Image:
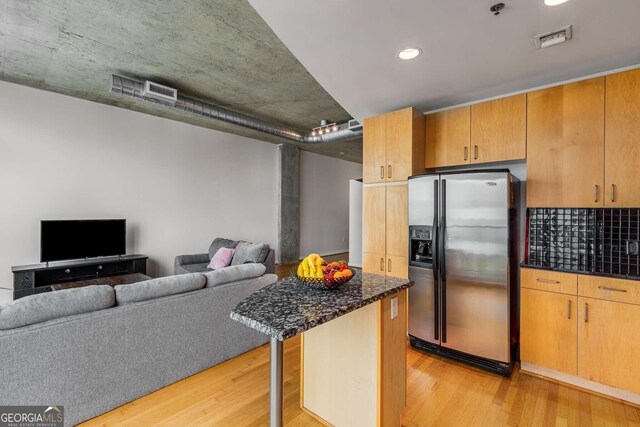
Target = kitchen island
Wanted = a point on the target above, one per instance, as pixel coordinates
(353, 360)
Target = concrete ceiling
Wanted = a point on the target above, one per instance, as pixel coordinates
(469, 54)
(217, 50)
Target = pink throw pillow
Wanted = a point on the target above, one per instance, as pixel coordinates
(222, 258)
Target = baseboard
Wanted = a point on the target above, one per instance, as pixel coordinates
(581, 383)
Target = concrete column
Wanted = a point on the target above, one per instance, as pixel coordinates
(288, 204)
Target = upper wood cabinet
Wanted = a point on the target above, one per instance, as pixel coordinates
(393, 146)
(565, 145)
(448, 138)
(499, 130)
(622, 139)
(488, 132)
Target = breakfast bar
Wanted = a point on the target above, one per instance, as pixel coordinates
(353, 346)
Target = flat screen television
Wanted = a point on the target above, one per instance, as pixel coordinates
(77, 239)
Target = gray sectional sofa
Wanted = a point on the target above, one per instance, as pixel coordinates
(93, 349)
(193, 263)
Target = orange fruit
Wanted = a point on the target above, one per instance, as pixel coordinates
(347, 273)
(338, 275)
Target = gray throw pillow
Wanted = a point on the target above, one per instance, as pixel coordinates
(234, 273)
(52, 305)
(247, 252)
(218, 243)
(156, 288)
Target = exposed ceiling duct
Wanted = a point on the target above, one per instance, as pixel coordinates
(136, 89)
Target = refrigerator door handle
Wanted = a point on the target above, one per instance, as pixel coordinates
(442, 258)
(434, 262)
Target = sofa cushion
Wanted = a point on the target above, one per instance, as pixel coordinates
(52, 305)
(218, 243)
(248, 252)
(194, 268)
(221, 259)
(234, 273)
(156, 288)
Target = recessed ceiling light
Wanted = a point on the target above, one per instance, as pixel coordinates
(409, 53)
(554, 2)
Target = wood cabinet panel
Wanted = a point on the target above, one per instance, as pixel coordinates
(609, 289)
(393, 361)
(548, 330)
(499, 130)
(397, 266)
(405, 144)
(545, 280)
(609, 343)
(448, 138)
(373, 263)
(397, 220)
(565, 145)
(622, 139)
(373, 227)
(374, 142)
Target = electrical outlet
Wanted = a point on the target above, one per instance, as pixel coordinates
(633, 247)
(394, 307)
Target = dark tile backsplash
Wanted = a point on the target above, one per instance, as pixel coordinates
(590, 240)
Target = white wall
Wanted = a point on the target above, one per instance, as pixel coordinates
(178, 185)
(324, 203)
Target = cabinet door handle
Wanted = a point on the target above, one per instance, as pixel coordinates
(548, 281)
(586, 312)
(596, 193)
(613, 193)
(475, 152)
(389, 171)
(466, 153)
(381, 264)
(381, 172)
(606, 288)
(389, 265)
(569, 309)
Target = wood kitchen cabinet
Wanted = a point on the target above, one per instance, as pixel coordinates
(581, 329)
(548, 326)
(565, 145)
(622, 144)
(386, 230)
(393, 146)
(609, 343)
(499, 130)
(448, 138)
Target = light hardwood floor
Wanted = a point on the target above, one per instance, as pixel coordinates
(439, 393)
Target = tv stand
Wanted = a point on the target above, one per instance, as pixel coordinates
(38, 278)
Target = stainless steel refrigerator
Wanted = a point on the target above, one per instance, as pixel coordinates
(463, 260)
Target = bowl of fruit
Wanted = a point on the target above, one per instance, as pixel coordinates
(315, 271)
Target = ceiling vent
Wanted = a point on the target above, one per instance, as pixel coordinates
(164, 94)
(554, 37)
(354, 125)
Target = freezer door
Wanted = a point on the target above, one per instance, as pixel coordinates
(422, 200)
(423, 322)
(475, 288)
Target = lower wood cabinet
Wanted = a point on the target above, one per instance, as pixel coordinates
(609, 343)
(548, 332)
(590, 332)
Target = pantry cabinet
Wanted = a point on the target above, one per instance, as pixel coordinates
(622, 146)
(565, 145)
(393, 146)
(448, 138)
(386, 229)
(499, 130)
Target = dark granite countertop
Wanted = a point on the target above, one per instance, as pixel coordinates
(587, 273)
(288, 308)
